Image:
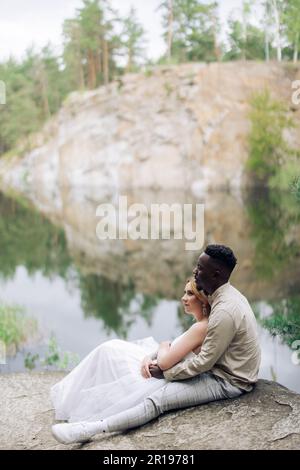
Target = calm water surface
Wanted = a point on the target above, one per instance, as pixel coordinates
(85, 291)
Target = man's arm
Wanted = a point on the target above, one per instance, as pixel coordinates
(221, 330)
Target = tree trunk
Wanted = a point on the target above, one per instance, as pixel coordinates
(98, 62)
(277, 30)
(105, 62)
(129, 61)
(81, 82)
(217, 50)
(267, 46)
(81, 77)
(91, 70)
(244, 40)
(44, 92)
(296, 48)
(170, 30)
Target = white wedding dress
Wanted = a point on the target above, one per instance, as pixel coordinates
(106, 382)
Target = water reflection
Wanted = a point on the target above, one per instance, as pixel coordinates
(29, 239)
(275, 230)
(88, 291)
(117, 305)
(283, 320)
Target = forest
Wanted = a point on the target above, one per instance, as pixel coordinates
(99, 46)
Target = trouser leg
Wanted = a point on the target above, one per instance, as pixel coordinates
(198, 390)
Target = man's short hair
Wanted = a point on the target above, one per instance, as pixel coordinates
(223, 255)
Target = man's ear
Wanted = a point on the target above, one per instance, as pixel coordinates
(217, 274)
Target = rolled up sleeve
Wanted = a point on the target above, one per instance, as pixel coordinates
(221, 330)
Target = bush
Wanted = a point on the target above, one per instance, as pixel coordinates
(296, 188)
(15, 327)
(54, 358)
(268, 148)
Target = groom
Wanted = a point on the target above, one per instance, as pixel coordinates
(226, 366)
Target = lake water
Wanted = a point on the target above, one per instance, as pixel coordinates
(86, 291)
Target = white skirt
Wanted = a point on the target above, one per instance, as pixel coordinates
(106, 382)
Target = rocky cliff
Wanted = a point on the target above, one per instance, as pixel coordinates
(267, 418)
(171, 135)
(182, 127)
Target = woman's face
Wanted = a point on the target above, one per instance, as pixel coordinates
(190, 302)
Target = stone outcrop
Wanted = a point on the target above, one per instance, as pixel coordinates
(168, 136)
(267, 418)
(181, 127)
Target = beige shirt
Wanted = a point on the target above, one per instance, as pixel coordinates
(231, 348)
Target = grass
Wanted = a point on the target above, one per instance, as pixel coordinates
(296, 188)
(15, 327)
(285, 177)
(54, 359)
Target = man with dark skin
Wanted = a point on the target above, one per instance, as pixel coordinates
(209, 276)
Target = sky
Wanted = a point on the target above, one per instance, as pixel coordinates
(27, 22)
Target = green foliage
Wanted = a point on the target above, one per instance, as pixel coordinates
(54, 358)
(95, 39)
(30, 361)
(20, 115)
(285, 178)
(273, 215)
(132, 40)
(291, 19)
(296, 188)
(249, 47)
(29, 239)
(15, 326)
(57, 358)
(35, 89)
(267, 146)
(37, 86)
(113, 303)
(194, 30)
(285, 320)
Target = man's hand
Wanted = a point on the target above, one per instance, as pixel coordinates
(156, 372)
(146, 363)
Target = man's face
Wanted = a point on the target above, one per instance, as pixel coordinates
(204, 273)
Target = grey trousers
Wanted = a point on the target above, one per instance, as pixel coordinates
(191, 392)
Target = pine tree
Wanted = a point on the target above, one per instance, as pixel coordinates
(291, 19)
(191, 30)
(133, 38)
(72, 55)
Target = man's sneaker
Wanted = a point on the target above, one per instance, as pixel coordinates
(68, 433)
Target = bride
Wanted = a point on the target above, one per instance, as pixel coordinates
(116, 375)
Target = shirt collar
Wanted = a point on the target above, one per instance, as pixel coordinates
(219, 291)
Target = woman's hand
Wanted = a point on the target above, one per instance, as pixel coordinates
(145, 367)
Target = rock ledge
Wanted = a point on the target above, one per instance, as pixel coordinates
(267, 418)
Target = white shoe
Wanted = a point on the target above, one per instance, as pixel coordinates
(68, 433)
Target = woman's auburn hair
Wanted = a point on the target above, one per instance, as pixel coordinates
(200, 295)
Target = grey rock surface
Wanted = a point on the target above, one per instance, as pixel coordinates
(267, 418)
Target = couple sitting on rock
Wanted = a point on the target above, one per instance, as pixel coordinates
(121, 385)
